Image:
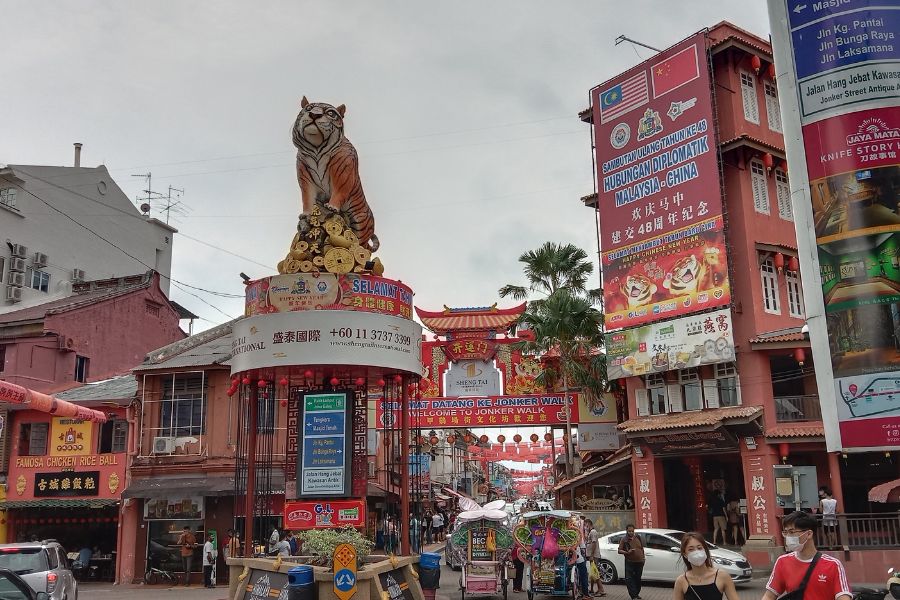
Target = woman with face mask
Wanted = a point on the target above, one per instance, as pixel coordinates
(700, 580)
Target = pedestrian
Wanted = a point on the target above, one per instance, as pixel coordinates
(292, 540)
(209, 561)
(233, 546)
(283, 547)
(437, 524)
(804, 572)
(389, 532)
(415, 532)
(274, 538)
(719, 516)
(700, 578)
(593, 555)
(735, 521)
(186, 542)
(633, 550)
(520, 570)
(828, 508)
(581, 570)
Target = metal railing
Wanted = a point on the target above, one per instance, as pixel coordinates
(860, 531)
(792, 409)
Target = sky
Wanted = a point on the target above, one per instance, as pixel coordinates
(464, 115)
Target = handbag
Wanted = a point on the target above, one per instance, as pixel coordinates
(798, 593)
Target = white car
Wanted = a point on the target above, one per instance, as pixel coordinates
(662, 548)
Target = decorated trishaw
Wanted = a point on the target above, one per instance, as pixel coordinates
(545, 541)
(482, 540)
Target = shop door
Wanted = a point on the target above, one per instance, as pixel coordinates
(680, 501)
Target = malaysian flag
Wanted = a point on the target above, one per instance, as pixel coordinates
(624, 97)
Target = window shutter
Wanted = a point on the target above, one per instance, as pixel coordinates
(737, 389)
(760, 187)
(642, 399)
(748, 95)
(711, 393)
(783, 193)
(773, 111)
(676, 400)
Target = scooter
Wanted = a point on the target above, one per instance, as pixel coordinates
(893, 583)
(892, 586)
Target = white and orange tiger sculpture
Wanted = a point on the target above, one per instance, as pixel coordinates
(328, 171)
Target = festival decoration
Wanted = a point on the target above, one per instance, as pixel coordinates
(534, 437)
(546, 533)
(517, 438)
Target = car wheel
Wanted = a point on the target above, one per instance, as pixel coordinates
(607, 572)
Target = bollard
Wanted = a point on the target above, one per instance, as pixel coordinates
(302, 583)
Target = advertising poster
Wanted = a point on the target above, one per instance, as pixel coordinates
(318, 515)
(323, 468)
(473, 378)
(660, 200)
(597, 409)
(678, 344)
(598, 437)
(489, 411)
(420, 472)
(70, 436)
(846, 60)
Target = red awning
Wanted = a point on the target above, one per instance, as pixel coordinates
(886, 492)
(16, 394)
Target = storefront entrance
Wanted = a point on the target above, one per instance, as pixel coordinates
(681, 505)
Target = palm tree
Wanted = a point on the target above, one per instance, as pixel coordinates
(553, 267)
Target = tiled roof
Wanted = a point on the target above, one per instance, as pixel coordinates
(733, 142)
(790, 334)
(618, 457)
(690, 418)
(207, 348)
(481, 319)
(882, 492)
(59, 503)
(61, 305)
(122, 387)
(795, 431)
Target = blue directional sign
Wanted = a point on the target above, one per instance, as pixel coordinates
(828, 35)
(323, 452)
(345, 580)
(323, 463)
(323, 423)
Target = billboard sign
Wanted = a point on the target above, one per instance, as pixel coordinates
(678, 344)
(843, 75)
(473, 378)
(319, 515)
(659, 196)
(484, 411)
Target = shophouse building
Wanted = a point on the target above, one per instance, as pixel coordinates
(705, 310)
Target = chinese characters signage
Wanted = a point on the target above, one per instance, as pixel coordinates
(324, 461)
(70, 437)
(659, 196)
(312, 291)
(490, 411)
(692, 443)
(318, 515)
(678, 344)
(66, 483)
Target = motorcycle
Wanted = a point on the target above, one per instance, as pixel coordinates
(893, 583)
(892, 587)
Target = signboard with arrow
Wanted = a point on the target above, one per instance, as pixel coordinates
(344, 571)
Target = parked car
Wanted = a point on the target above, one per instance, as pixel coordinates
(43, 566)
(662, 548)
(13, 587)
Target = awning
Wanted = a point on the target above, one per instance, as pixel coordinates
(376, 491)
(886, 492)
(163, 487)
(59, 503)
(441, 496)
(621, 458)
(690, 420)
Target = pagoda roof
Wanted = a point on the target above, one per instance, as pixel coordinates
(481, 318)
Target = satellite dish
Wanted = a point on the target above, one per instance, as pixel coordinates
(145, 208)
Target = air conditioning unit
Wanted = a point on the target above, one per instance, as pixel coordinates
(14, 294)
(19, 250)
(163, 445)
(371, 470)
(17, 264)
(17, 279)
(40, 259)
(77, 275)
(65, 343)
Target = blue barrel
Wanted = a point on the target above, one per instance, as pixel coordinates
(430, 560)
(302, 583)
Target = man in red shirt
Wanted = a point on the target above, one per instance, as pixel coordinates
(827, 581)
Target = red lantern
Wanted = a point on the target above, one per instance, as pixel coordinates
(467, 438)
(768, 161)
(483, 439)
(793, 264)
(770, 71)
(548, 437)
(420, 440)
(231, 392)
(433, 440)
(534, 437)
(262, 383)
(784, 450)
(283, 381)
(334, 381)
(398, 378)
(784, 166)
(360, 382)
(800, 356)
(755, 63)
(779, 261)
(517, 438)
(309, 374)
(501, 438)
(381, 383)
(245, 380)
(451, 439)
(283, 403)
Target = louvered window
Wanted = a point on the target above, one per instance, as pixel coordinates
(748, 95)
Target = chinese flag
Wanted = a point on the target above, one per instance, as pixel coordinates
(675, 71)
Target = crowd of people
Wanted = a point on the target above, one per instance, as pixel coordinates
(425, 528)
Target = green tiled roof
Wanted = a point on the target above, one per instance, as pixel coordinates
(59, 503)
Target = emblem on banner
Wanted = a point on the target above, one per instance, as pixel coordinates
(620, 136)
(676, 109)
(649, 125)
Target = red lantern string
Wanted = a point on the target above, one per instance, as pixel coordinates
(398, 378)
(517, 438)
(245, 381)
(534, 437)
(381, 383)
(360, 382)
(334, 381)
(309, 374)
(501, 438)
(283, 381)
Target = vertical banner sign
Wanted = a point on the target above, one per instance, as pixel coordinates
(844, 61)
(344, 560)
(659, 196)
(324, 468)
(360, 455)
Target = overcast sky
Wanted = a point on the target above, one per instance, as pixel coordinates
(464, 115)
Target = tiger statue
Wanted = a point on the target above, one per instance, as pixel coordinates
(328, 170)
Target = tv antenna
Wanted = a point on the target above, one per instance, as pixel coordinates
(623, 38)
(173, 204)
(170, 204)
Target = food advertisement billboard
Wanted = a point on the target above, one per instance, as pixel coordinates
(659, 194)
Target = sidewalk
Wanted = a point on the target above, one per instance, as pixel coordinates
(434, 547)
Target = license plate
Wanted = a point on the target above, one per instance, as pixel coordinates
(747, 571)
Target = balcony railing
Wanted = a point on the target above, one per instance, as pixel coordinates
(792, 409)
(860, 531)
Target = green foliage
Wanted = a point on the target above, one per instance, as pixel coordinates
(322, 543)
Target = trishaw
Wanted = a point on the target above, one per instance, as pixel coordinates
(483, 541)
(545, 541)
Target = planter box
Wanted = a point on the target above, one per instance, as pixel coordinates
(374, 578)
